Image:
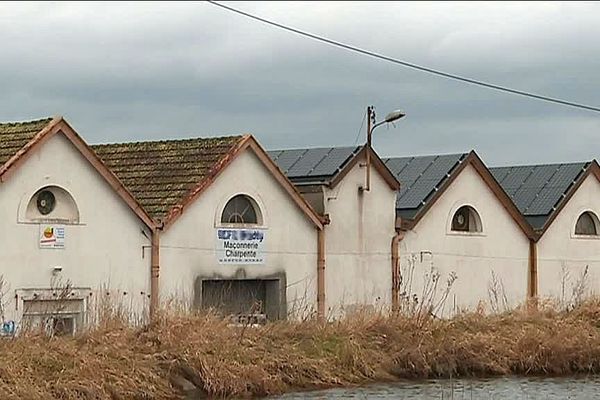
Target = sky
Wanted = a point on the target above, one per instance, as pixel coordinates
(150, 71)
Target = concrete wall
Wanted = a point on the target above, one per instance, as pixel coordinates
(358, 243)
(490, 267)
(563, 257)
(188, 246)
(103, 252)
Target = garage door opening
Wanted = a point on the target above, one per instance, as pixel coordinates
(247, 300)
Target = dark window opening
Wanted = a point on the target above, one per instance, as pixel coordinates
(586, 225)
(466, 219)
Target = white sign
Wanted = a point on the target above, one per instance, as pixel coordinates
(240, 246)
(52, 237)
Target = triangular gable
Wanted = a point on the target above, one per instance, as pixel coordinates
(474, 160)
(247, 143)
(377, 164)
(59, 125)
(593, 169)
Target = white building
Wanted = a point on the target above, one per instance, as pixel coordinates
(562, 204)
(71, 241)
(465, 244)
(220, 223)
(361, 223)
(232, 232)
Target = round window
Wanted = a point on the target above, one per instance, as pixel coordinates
(45, 202)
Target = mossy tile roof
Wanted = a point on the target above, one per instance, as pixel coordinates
(161, 174)
(15, 135)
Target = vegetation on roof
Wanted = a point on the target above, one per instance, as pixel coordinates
(161, 174)
(15, 135)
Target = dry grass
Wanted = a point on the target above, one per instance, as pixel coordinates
(121, 362)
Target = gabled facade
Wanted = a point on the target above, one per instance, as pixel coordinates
(74, 240)
(465, 245)
(361, 224)
(233, 233)
(562, 203)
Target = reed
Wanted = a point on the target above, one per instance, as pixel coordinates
(181, 352)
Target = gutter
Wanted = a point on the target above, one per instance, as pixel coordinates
(396, 270)
(321, 274)
(154, 272)
(532, 281)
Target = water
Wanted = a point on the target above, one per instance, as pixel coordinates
(579, 388)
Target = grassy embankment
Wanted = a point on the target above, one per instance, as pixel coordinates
(119, 362)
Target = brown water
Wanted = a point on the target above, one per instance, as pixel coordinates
(580, 388)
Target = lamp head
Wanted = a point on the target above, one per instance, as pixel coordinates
(394, 115)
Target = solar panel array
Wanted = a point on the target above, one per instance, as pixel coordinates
(313, 165)
(420, 177)
(537, 190)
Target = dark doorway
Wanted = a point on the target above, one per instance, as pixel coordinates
(259, 298)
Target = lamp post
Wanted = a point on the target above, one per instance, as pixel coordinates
(371, 125)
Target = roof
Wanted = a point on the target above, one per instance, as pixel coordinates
(421, 177)
(325, 165)
(539, 190)
(161, 174)
(313, 165)
(15, 135)
(19, 140)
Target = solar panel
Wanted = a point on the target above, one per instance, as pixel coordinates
(288, 158)
(440, 167)
(547, 198)
(397, 164)
(524, 197)
(274, 154)
(417, 193)
(540, 176)
(415, 168)
(516, 177)
(307, 162)
(335, 159)
(500, 173)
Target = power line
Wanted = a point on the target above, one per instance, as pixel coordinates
(362, 123)
(405, 63)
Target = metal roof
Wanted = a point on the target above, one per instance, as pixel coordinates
(537, 190)
(420, 177)
(315, 165)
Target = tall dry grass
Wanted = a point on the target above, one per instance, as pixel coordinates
(116, 361)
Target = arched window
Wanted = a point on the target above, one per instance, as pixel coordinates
(466, 219)
(587, 224)
(52, 203)
(240, 209)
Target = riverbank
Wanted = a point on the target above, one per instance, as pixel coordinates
(202, 353)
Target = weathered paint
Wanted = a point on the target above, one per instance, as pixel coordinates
(563, 256)
(358, 255)
(107, 251)
(491, 267)
(188, 246)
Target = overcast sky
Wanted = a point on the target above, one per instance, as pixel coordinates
(146, 71)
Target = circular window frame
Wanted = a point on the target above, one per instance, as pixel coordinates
(28, 203)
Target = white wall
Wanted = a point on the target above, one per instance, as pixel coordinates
(358, 243)
(500, 251)
(188, 246)
(104, 250)
(563, 257)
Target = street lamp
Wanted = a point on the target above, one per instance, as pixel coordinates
(371, 125)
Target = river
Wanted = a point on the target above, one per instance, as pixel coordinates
(513, 388)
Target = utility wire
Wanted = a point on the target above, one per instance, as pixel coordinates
(405, 63)
(362, 123)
